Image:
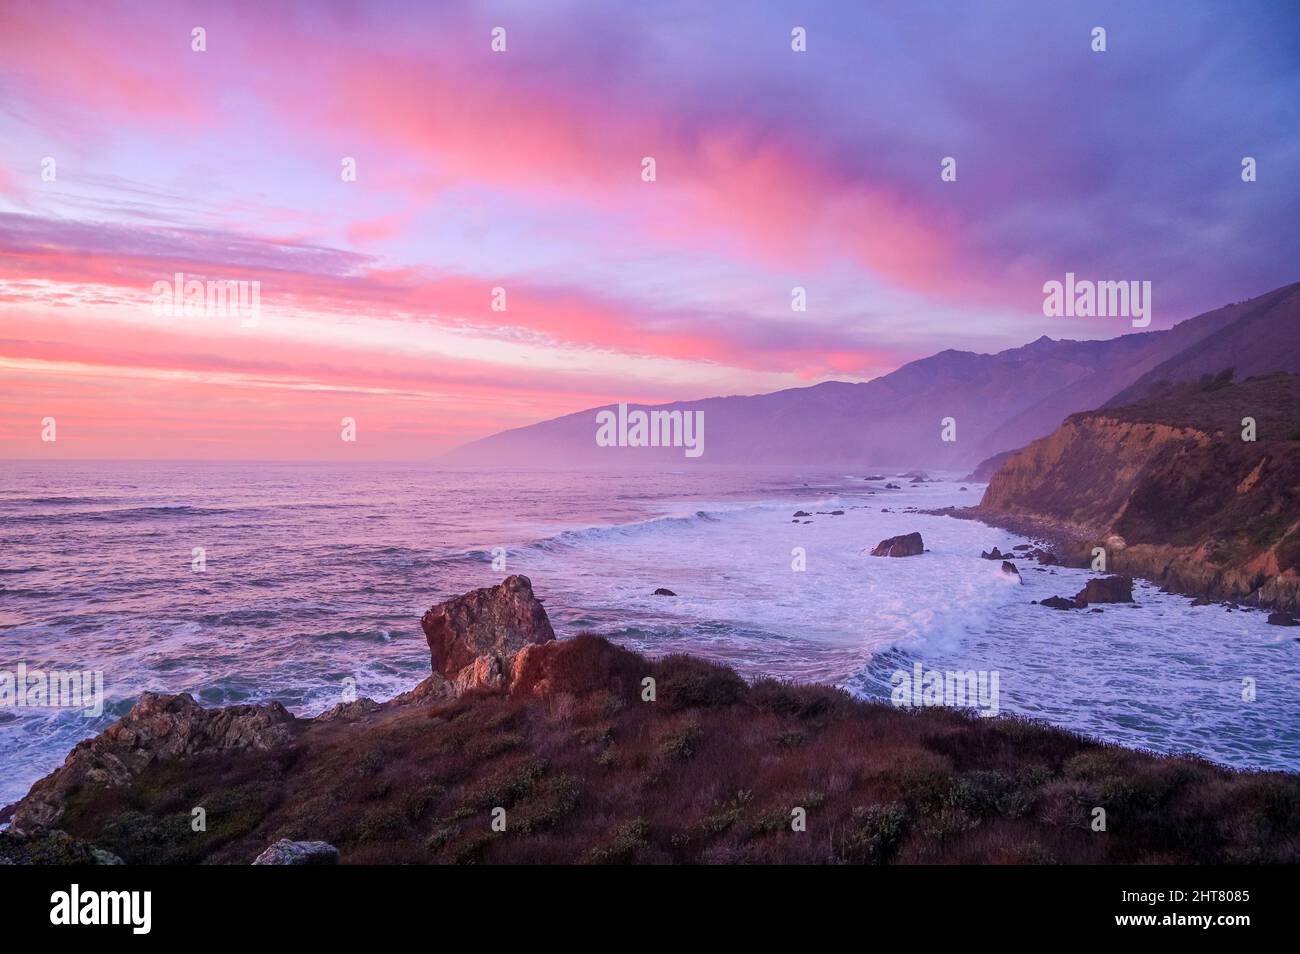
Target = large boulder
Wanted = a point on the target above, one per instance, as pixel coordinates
(908, 544)
(1009, 572)
(473, 638)
(1106, 589)
(157, 727)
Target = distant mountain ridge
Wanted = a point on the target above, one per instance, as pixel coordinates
(999, 401)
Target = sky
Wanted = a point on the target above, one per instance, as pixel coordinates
(500, 256)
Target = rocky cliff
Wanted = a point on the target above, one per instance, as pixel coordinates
(1172, 490)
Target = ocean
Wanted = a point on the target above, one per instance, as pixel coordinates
(315, 577)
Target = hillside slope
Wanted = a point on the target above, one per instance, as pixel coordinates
(1262, 338)
(1171, 489)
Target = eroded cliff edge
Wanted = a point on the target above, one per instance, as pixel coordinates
(1171, 489)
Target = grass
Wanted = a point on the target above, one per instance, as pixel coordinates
(713, 771)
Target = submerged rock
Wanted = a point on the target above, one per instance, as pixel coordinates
(663, 591)
(1282, 619)
(908, 544)
(286, 852)
(1060, 603)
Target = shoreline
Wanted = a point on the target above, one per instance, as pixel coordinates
(589, 772)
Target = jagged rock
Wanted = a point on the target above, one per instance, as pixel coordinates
(1008, 571)
(348, 711)
(1107, 589)
(663, 591)
(994, 554)
(434, 688)
(472, 638)
(286, 852)
(485, 672)
(1282, 619)
(908, 544)
(1060, 603)
(157, 727)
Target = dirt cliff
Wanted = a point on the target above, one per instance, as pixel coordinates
(1172, 488)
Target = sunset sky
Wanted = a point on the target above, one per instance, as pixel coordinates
(523, 170)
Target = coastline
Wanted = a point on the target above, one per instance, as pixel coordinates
(715, 769)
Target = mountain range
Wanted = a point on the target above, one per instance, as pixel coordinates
(999, 402)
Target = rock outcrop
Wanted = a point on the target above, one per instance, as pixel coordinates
(158, 728)
(1107, 589)
(1008, 571)
(908, 544)
(286, 852)
(473, 638)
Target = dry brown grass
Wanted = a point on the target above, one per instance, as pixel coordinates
(709, 772)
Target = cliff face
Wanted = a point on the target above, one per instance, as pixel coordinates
(1172, 491)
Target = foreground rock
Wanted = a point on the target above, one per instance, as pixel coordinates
(159, 728)
(286, 852)
(1008, 571)
(909, 544)
(474, 638)
(1282, 619)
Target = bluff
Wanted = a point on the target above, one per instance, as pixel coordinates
(1172, 491)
